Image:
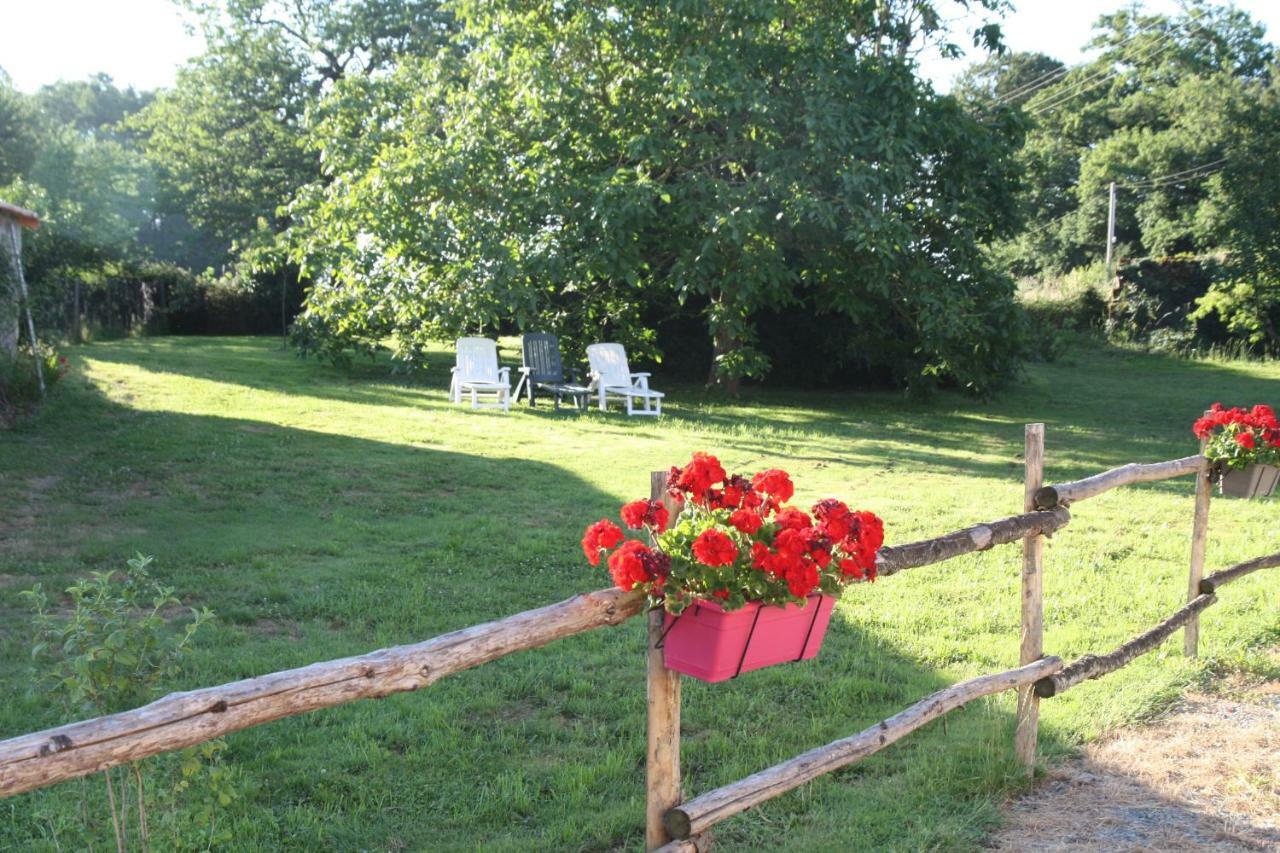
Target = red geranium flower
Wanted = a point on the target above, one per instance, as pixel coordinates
(775, 483)
(746, 520)
(627, 565)
(803, 579)
(714, 548)
(790, 517)
(696, 478)
(638, 514)
(834, 517)
(852, 568)
(869, 528)
(603, 534)
(1246, 440)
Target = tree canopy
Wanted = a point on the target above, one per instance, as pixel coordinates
(578, 166)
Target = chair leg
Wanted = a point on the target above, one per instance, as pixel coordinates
(603, 405)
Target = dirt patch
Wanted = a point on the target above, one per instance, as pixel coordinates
(1206, 777)
(10, 581)
(268, 627)
(16, 529)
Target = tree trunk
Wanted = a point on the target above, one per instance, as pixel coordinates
(77, 329)
(723, 342)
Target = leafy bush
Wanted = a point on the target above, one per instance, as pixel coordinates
(1249, 310)
(111, 650)
(20, 382)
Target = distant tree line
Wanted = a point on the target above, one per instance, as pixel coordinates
(1181, 113)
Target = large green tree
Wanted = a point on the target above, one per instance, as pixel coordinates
(583, 163)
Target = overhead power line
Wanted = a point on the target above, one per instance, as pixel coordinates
(1078, 88)
(1160, 46)
(1194, 173)
(1051, 77)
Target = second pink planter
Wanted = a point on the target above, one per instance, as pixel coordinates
(711, 645)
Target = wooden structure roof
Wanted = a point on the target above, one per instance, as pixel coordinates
(26, 218)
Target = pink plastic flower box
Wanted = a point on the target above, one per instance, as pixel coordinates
(711, 645)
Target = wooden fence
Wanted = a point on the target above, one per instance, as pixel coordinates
(671, 822)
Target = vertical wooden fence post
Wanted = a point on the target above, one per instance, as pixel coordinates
(1032, 648)
(662, 772)
(1199, 537)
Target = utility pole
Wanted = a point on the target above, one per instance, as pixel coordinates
(1111, 229)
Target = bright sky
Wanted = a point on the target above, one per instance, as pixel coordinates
(141, 43)
(1060, 28)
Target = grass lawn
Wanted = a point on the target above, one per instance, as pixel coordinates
(322, 514)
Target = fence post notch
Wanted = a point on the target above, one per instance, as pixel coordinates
(1199, 538)
(1032, 645)
(662, 767)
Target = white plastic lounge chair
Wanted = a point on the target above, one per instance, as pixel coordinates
(611, 375)
(477, 372)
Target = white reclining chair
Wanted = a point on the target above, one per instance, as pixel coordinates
(610, 374)
(477, 372)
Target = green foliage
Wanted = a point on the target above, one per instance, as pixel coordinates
(109, 652)
(1182, 114)
(227, 139)
(1009, 77)
(1250, 311)
(20, 382)
(17, 133)
(116, 646)
(96, 106)
(1164, 96)
(581, 164)
(193, 809)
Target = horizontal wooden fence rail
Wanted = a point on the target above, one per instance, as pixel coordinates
(1065, 494)
(185, 719)
(1210, 584)
(704, 811)
(1095, 666)
(980, 537)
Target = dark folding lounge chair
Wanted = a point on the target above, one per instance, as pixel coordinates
(543, 370)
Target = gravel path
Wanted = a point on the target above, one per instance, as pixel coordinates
(1206, 777)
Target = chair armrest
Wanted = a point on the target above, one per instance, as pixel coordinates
(525, 370)
(453, 369)
(638, 375)
(505, 374)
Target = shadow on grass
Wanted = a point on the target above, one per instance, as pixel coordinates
(314, 545)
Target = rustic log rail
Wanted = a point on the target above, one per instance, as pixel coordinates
(1096, 666)
(704, 811)
(1087, 667)
(1210, 585)
(1065, 494)
(185, 719)
(980, 537)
